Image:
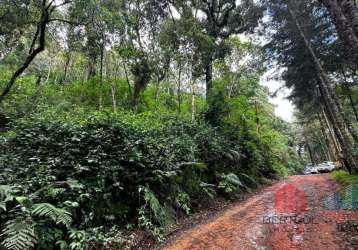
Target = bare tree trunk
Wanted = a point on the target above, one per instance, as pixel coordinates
(313, 161)
(127, 79)
(179, 88)
(334, 139)
(113, 94)
(101, 78)
(193, 107)
(334, 151)
(337, 119)
(257, 118)
(353, 105)
(345, 16)
(209, 78)
(49, 72)
(66, 66)
(91, 69)
(323, 144)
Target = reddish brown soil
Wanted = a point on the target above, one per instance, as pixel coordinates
(260, 222)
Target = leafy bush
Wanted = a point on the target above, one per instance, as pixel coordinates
(102, 169)
(108, 171)
(344, 177)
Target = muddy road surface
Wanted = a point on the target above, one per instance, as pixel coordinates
(301, 212)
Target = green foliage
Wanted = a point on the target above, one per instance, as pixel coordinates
(57, 215)
(26, 223)
(230, 183)
(110, 129)
(19, 234)
(146, 166)
(344, 177)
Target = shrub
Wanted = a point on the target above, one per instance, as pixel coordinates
(120, 169)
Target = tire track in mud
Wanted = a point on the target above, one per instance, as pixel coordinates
(244, 225)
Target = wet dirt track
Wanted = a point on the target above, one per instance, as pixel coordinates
(288, 215)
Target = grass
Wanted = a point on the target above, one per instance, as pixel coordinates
(344, 177)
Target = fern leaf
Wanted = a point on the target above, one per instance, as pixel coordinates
(161, 214)
(250, 179)
(19, 234)
(57, 215)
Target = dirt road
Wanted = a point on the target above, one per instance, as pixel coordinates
(298, 213)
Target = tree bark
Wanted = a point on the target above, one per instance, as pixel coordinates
(350, 10)
(66, 66)
(209, 77)
(91, 69)
(335, 116)
(179, 88)
(193, 107)
(325, 148)
(101, 78)
(345, 16)
(313, 161)
(127, 79)
(334, 150)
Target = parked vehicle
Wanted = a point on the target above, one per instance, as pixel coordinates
(307, 171)
(310, 169)
(314, 170)
(325, 167)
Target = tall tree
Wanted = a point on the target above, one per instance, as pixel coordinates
(218, 20)
(298, 45)
(345, 16)
(40, 14)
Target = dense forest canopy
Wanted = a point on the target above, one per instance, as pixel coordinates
(119, 115)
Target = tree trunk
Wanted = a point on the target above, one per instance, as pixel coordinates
(332, 133)
(179, 89)
(351, 101)
(209, 78)
(346, 154)
(40, 35)
(345, 16)
(257, 118)
(325, 149)
(157, 85)
(334, 151)
(350, 10)
(127, 79)
(336, 117)
(313, 161)
(49, 72)
(101, 79)
(66, 66)
(353, 105)
(113, 94)
(346, 120)
(193, 108)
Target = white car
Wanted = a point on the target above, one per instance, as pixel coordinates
(314, 170)
(325, 167)
(310, 169)
(307, 171)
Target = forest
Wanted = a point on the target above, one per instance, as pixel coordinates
(120, 117)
